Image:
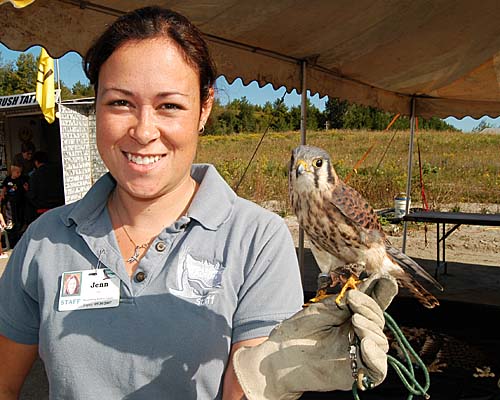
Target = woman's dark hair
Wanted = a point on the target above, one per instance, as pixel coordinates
(148, 23)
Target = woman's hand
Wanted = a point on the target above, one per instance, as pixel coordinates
(311, 350)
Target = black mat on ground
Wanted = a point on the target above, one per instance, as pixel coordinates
(463, 337)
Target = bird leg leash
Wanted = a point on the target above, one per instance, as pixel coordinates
(406, 372)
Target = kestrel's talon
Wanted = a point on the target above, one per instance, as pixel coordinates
(320, 295)
(350, 284)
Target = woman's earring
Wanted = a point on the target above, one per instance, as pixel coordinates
(202, 129)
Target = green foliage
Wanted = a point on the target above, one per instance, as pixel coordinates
(384, 221)
(240, 116)
(19, 77)
(340, 114)
(80, 90)
(280, 120)
(335, 110)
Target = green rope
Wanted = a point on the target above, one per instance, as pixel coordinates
(405, 373)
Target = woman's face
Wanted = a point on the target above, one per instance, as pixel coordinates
(72, 285)
(148, 117)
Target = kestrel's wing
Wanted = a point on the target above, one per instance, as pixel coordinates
(355, 208)
(411, 267)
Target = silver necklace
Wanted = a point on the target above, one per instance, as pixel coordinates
(137, 247)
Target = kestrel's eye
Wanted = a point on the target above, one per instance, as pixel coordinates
(318, 162)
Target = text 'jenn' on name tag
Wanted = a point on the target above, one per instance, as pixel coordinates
(93, 288)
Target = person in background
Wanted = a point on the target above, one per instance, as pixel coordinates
(45, 187)
(25, 158)
(13, 197)
(179, 274)
(3, 226)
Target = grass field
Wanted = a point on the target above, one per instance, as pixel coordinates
(456, 167)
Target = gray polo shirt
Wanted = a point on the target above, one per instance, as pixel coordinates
(226, 272)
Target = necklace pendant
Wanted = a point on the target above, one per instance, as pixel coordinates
(135, 257)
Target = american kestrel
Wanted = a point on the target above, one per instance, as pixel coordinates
(343, 229)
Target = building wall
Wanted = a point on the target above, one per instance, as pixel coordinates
(82, 165)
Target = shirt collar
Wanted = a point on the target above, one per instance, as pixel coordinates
(214, 201)
(90, 206)
(211, 207)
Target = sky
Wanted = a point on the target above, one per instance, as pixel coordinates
(71, 71)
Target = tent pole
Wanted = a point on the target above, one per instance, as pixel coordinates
(303, 104)
(410, 163)
(303, 120)
(58, 84)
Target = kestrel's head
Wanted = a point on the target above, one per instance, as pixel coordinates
(310, 169)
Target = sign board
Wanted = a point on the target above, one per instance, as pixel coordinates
(17, 100)
(23, 100)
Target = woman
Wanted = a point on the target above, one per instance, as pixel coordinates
(201, 271)
(72, 285)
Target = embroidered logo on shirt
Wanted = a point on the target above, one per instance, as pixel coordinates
(197, 279)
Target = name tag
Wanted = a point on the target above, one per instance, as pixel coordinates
(93, 288)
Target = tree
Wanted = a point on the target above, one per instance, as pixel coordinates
(6, 75)
(65, 92)
(314, 117)
(281, 117)
(19, 77)
(26, 71)
(215, 124)
(245, 115)
(80, 90)
(335, 110)
(357, 117)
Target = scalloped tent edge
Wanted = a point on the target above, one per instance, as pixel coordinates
(444, 54)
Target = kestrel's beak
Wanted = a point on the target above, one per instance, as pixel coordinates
(302, 167)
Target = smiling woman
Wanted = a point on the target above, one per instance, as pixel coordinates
(147, 127)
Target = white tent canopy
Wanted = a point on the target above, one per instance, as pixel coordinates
(382, 53)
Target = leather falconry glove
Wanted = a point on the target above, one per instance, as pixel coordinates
(309, 352)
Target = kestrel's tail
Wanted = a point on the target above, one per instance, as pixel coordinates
(427, 299)
(410, 266)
